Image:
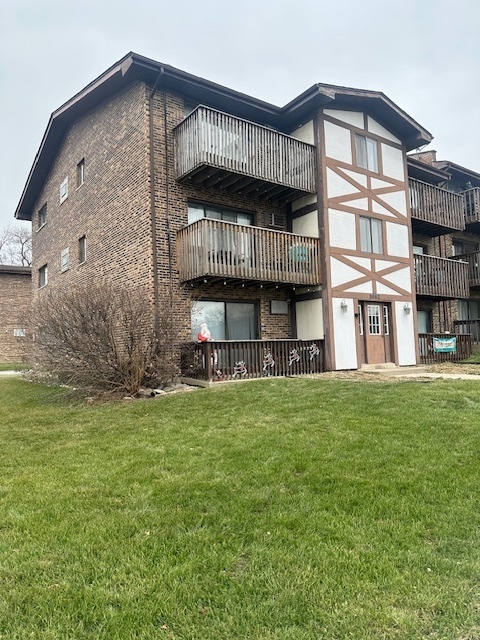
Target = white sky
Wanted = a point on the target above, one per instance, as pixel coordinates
(423, 54)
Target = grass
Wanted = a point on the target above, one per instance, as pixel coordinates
(278, 509)
(14, 366)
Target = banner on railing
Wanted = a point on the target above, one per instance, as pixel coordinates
(445, 345)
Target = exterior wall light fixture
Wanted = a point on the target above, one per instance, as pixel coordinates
(407, 308)
(344, 305)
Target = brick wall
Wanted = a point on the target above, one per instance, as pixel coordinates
(111, 208)
(15, 313)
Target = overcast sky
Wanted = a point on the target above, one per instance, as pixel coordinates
(423, 54)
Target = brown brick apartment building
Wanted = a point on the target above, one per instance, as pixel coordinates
(287, 231)
(15, 312)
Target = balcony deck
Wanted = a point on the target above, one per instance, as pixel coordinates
(472, 209)
(435, 211)
(215, 149)
(214, 250)
(441, 277)
(473, 260)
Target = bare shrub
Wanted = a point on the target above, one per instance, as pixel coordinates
(102, 337)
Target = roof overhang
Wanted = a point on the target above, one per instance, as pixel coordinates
(134, 67)
(15, 270)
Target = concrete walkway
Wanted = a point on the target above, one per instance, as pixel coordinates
(11, 373)
(418, 372)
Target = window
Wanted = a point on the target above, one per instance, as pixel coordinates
(42, 276)
(42, 216)
(226, 320)
(419, 250)
(371, 235)
(82, 249)
(277, 220)
(360, 319)
(373, 311)
(386, 320)
(64, 260)
(366, 151)
(64, 190)
(81, 172)
(199, 211)
(463, 247)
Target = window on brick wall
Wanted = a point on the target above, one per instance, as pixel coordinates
(43, 276)
(64, 190)
(225, 320)
(81, 172)
(82, 249)
(42, 216)
(198, 211)
(65, 260)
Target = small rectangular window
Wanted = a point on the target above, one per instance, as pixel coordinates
(42, 216)
(64, 260)
(374, 327)
(366, 153)
(386, 320)
(82, 249)
(81, 172)
(64, 190)
(360, 319)
(43, 276)
(371, 235)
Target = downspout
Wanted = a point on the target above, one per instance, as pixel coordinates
(153, 214)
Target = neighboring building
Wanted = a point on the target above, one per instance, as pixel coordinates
(264, 223)
(15, 312)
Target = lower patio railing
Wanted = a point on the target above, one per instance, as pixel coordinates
(469, 326)
(244, 359)
(444, 347)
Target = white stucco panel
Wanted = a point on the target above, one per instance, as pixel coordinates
(304, 201)
(338, 186)
(380, 184)
(397, 200)
(358, 177)
(392, 161)
(341, 227)
(366, 287)
(377, 208)
(384, 264)
(402, 278)
(381, 288)
(350, 117)
(342, 273)
(366, 263)
(379, 130)
(405, 335)
(305, 133)
(397, 240)
(344, 334)
(306, 225)
(338, 143)
(358, 203)
(309, 315)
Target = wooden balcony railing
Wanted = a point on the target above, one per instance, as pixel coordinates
(435, 211)
(441, 277)
(472, 206)
(473, 260)
(219, 150)
(471, 327)
(244, 359)
(429, 355)
(215, 249)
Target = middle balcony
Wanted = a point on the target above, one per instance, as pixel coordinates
(214, 251)
(215, 149)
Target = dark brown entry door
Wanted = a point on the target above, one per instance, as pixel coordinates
(376, 330)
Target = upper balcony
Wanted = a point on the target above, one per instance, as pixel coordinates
(215, 251)
(472, 209)
(214, 149)
(441, 277)
(435, 211)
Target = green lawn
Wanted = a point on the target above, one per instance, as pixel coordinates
(278, 509)
(14, 366)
